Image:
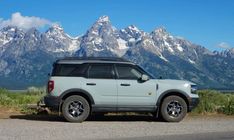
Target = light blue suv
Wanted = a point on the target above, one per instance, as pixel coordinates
(81, 86)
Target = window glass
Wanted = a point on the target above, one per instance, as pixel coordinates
(127, 72)
(101, 71)
(69, 70)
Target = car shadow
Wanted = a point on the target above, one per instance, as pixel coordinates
(94, 118)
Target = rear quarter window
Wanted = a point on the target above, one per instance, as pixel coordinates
(78, 70)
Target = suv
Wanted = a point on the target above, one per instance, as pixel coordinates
(78, 87)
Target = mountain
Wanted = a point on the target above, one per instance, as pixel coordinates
(26, 57)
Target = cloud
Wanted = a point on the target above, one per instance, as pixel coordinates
(24, 22)
(224, 45)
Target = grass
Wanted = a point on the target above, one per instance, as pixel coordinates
(211, 102)
(19, 101)
(215, 102)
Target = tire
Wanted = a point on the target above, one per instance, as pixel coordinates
(75, 109)
(173, 109)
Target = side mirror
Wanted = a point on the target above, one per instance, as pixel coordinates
(144, 77)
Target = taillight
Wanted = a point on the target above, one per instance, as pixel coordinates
(50, 86)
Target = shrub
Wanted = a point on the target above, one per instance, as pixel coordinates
(215, 102)
(18, 100)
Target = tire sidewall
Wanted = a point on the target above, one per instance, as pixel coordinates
(164, 112)
(83, 116)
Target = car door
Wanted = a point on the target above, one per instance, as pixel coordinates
(132, 92)
(101, 83)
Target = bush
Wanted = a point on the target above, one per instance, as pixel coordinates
(18, 100)
(215, 102)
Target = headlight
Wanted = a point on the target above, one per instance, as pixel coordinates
(194, 89)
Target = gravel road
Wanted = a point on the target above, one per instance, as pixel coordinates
(111, 127)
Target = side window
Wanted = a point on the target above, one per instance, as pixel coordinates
(78, 70)
(101, 71)
(127, 72)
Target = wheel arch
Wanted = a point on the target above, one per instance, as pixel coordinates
(77, 91)
(167, 93)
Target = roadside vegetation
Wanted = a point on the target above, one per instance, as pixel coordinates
(19, 101)
(211, 102)
(214, 102)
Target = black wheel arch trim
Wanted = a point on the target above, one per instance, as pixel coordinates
(77, 90)
(176, 91)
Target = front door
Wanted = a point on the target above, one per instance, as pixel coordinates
(132, 92)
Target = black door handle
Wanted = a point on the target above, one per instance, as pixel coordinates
(125, 84)
(91, 84)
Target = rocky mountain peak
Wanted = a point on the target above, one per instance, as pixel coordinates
(160, 32)
(103, 19)
(9, 33)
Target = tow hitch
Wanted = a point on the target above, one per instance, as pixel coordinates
(40, 107)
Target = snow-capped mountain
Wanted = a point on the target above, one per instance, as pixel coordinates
(58, 40)
(102, 37)
(27, 56)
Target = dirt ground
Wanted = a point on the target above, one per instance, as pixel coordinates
(6, 112)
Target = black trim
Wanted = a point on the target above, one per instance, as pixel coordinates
(169, 92)
(78, 91)
(129, 108)
(52, 102)
(193, 102)
(104, 108)
(136, 108)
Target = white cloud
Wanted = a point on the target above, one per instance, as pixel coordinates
(224, 45)
(24, 22)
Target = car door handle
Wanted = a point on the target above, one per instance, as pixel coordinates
(90, 84)
(125, 84)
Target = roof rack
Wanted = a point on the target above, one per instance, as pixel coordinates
(97, 58)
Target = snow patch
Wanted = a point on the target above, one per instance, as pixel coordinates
(166, 43)
(191, 61)
(73, 46)
(98, 50)
(163, 58)
(132, 40)
(170, 49)
(122, 44)
(98, 40)
(179, 47)
(59, 50)
(103, 19)
(133, 28)
(146, 41)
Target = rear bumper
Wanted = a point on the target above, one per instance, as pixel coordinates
(52, 102)
(193, 103)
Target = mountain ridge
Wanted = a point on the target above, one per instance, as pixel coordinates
(27, 56)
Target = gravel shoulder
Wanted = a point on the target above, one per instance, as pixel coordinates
(25, 127)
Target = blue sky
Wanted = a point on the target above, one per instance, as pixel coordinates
(206, 22)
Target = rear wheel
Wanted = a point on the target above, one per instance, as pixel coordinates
(75, 108)
(173, 109)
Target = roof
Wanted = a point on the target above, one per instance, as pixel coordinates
(79, 60)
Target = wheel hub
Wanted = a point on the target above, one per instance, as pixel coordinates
(174, 109)
(75, 108)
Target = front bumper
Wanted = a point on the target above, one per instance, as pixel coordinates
(193, 102)
(52, 102)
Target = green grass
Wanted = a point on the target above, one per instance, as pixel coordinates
(210, 101)
(19, 101)
(215, 102)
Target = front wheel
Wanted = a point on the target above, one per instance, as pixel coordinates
(75, 109)
(173, 109)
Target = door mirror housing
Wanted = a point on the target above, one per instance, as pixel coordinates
(144, 77)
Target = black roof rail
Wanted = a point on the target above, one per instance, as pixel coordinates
(96, 58)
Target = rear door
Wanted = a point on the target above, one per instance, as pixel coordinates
(101, 83)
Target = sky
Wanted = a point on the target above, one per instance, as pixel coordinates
(209, 23)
